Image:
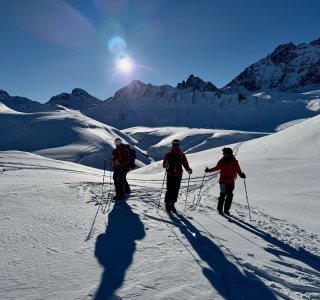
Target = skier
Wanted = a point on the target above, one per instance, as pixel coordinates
(229, 167)
(120, 159)
(173, 162)
(131, 165)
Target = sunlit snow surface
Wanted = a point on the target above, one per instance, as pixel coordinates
(46, 252)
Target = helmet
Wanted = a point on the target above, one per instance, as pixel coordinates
(117, 141)
(227, 150)
(176, 142)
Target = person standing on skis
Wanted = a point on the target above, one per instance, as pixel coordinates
(173, 162)
(120, 159)
(229, 168)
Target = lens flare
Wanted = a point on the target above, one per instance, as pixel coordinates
(117, 45)
(125, 64)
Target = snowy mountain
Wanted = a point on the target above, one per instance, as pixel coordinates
(78, 99)
(140, 104)
(289, 67)
(197, 84)
(22, 104)
(136, 251)
(62, 134)
(278, 89)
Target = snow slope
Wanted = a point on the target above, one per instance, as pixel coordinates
(69, 135)
(62, 134)
(283, 170)
(137, 252)
(157, 141)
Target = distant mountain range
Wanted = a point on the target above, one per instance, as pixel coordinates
(273, 91)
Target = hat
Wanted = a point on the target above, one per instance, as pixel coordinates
(117, 141)
(227, 150)
(176, 142)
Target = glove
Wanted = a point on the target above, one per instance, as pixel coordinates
(190, 171)
(243, 175)
(166, 166)
(207, 170)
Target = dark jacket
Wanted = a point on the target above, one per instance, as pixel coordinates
(175, 159)
(120, 157)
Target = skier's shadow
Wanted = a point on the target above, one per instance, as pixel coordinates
(284, 249)
(223, 275)
(115, 248)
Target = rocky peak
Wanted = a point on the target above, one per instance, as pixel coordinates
(315, 42)
(79, 92)
(284, 53)
(78, 99)
(289, 67)
(4, 95)
(197, 84)
(134, 87)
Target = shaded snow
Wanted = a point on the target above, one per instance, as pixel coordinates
(63, 134)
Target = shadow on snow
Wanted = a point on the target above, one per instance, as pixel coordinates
(284, 249)
(223, 275)
(115, 248)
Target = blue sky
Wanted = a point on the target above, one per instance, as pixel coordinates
(52, 46)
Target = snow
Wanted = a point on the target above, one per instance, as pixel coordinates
(57, 243)
(137, 252)
(140, 104)
(314, 105)
(62, 134)
(156, 141)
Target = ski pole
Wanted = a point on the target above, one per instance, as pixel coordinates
(245, 187)
(100, 202)
(199, 195)
(107, 207)
(102, 189)
(161, 189)
(185, 205)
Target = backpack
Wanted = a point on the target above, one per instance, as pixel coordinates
(132, 158)
(175, 163)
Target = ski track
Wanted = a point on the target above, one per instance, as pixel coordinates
(295, 278)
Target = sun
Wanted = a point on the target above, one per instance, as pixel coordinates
(124, 64)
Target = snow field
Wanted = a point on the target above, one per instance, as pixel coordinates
(137, 252)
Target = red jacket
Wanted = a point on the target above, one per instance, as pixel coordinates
(175, 159)
(120, 157)
(228, 170)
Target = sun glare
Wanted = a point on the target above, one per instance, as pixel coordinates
(125, 65)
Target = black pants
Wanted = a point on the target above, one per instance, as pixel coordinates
(226, 197)
(118, 178)
(173, 187)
